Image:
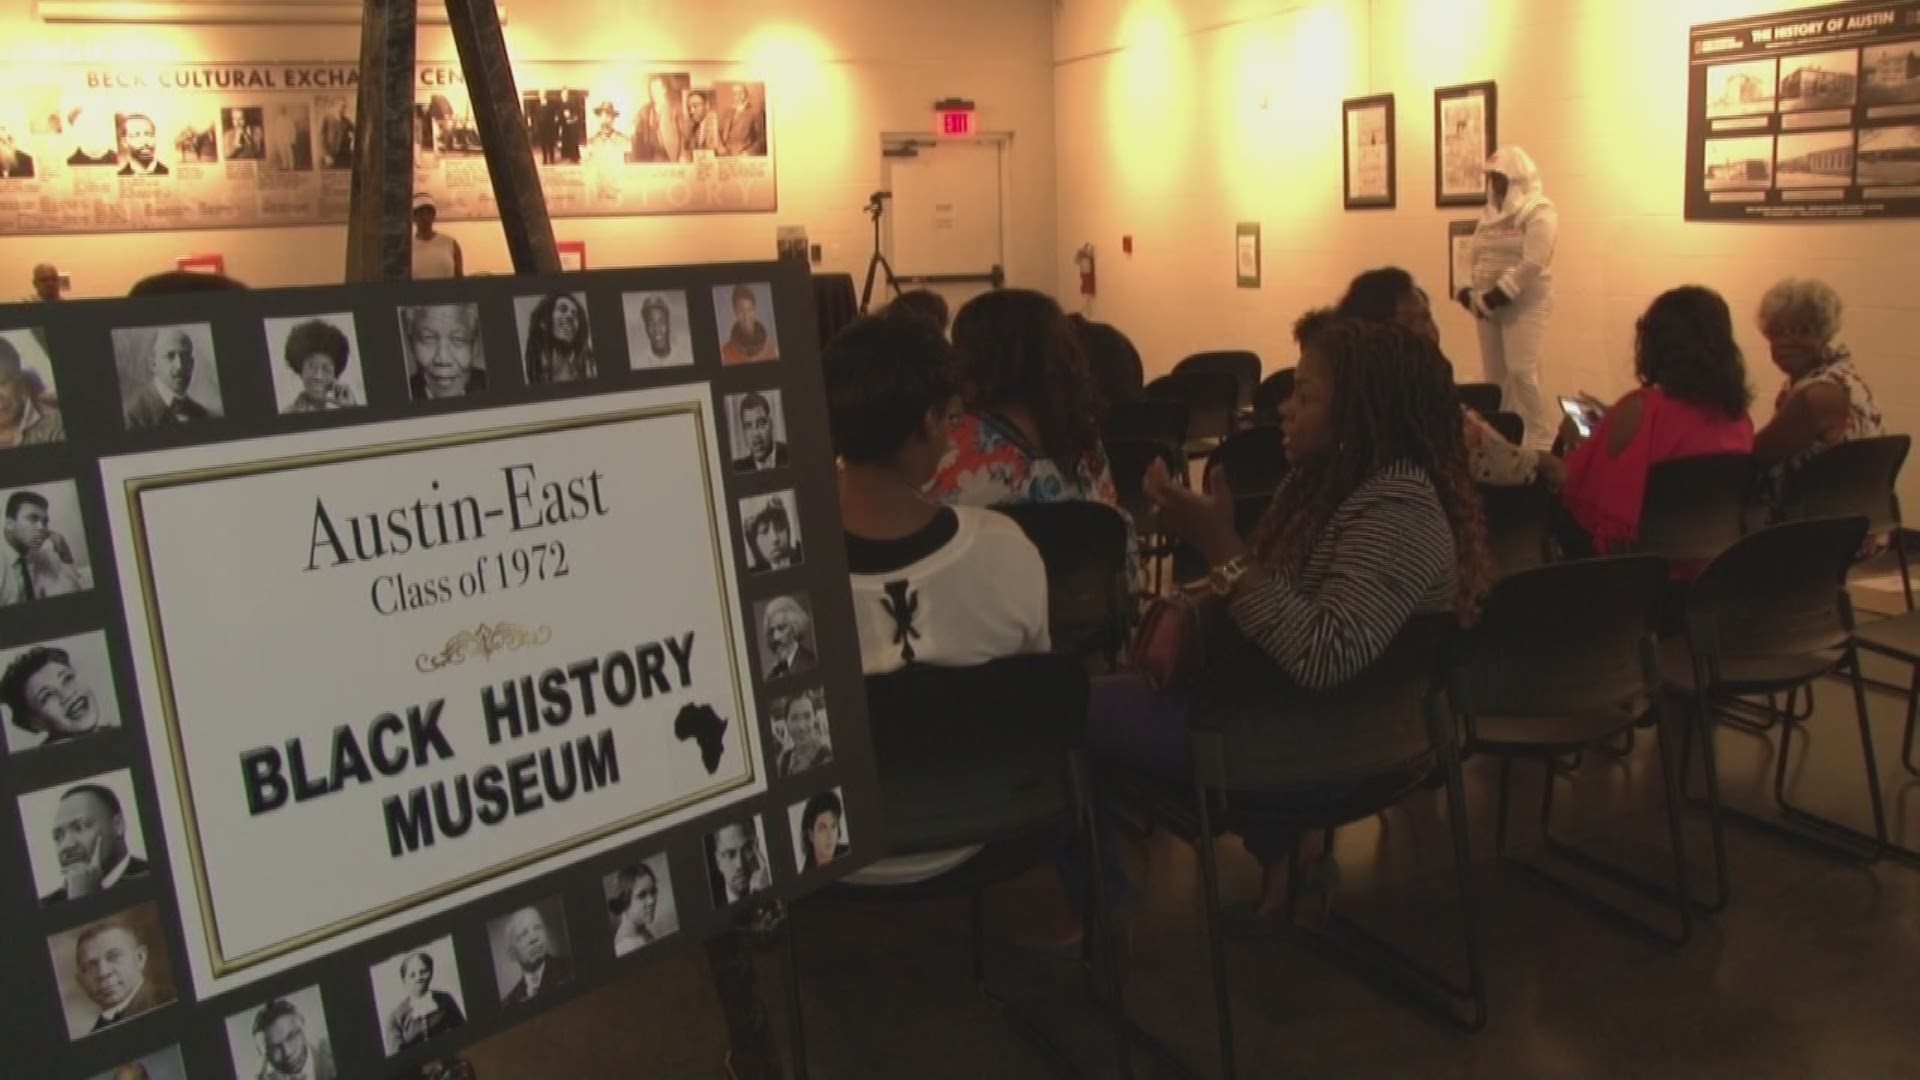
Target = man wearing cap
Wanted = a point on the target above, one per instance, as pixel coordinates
(607, 141)
(435, 254)
(28, 414)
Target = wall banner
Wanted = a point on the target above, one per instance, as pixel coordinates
(87, 148)
(1806, 115)
(379, 665)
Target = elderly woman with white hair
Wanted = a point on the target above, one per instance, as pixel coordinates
(1825, 401)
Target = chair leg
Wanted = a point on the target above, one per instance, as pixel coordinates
(1913, 720)
(1700, 724)
(1906, 578)
(1463, 873)
(796, 1020)
(1842, 839)
(1500, 820)
(1216, 945)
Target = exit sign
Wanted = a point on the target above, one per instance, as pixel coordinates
(953, 118)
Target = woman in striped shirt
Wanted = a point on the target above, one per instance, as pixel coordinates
(1378, 521)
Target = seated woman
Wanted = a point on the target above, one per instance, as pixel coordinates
(1692, 400)
(1376, 522)
(1825, 401)
(931, 584)
(1389, 295)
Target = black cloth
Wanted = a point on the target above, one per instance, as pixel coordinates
(780, 460)
(134, 867)
(866, 556)
(556, 971)
(803, 661)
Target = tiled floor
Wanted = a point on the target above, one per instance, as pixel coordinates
(1813, 971)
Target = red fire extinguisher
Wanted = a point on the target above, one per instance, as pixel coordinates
(1084, 260)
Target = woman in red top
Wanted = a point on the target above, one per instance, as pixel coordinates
(1692, 400)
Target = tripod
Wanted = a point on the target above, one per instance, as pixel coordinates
(877, 206)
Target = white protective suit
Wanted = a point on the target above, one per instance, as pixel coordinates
(1513, 255)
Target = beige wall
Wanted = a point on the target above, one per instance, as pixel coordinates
(1595, 89)
(840, 73)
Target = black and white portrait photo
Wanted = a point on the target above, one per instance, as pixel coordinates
(530, 952)
(770, 524)
(159, 1065)
(819, 830)
(29, 401)
(139, 139)
(289, 137)
(243, 135)
(167, 375)
(744, 315)
(640, 904)
(83, 837)
(784, 626)
(799, 726)
(57, 691)
(338, 130)
(658, 333)
(417, 995)
(46, 549)
(445, 358)
(284, 1038)
(757, 431)
(559, 344)
(737, 861)
(315, 360)
(112, 970)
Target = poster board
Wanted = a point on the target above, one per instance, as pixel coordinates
(1809, 115)
(203, 145)
(382, 665)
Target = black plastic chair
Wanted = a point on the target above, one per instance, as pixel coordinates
(992, 755)
(1254, 461)
(1162, 421)
(1244, 366)
(1771, 615)
(1519, 522)
(1212, 399)
(1273, 392)
(1084, 547)
(1694, 507)
(1266, 752)
(1857, 477)
(1510, 426)
(1534, 683)
(1899, 639)
(1482, 397)
(1111, 359)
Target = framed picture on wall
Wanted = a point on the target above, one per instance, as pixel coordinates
(1368, 152)
(1246, 254)
(1459, 255)
(1465, 133)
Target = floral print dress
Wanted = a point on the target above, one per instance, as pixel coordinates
(992, 464)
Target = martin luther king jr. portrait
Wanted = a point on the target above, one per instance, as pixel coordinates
(112, 971)
(83, 837)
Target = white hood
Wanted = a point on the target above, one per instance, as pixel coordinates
(1524, 189)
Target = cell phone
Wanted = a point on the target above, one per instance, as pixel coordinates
(1584, 412)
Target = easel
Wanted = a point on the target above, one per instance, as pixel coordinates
(380, 248)
(379, 244)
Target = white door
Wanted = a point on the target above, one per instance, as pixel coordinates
(945, 228)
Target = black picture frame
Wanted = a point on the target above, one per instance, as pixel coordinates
(1369, 200)
(1446, 146)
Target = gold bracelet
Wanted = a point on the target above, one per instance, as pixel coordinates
(1221, 579)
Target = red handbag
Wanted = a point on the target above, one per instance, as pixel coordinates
(1170, 644)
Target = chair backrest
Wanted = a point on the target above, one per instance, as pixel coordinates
(1518, 522)
(1244, 366)
(1129, 459)
(1084, 546)
(1278, 736)
(1778, 592)
(969, 755)
(1572, 639)
(1273, 392)
(1160, 420)
(1481, 397)
(1856, 477)
(1212, 398)
(1254, 459)
(1694, 507)
(1510, 426)
(1112, 360)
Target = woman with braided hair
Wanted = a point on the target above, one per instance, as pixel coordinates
(1377, 521)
